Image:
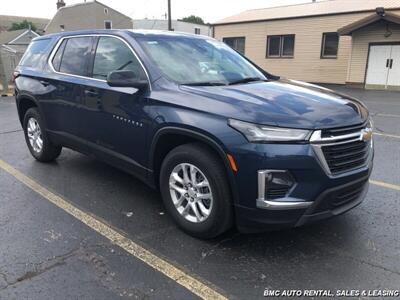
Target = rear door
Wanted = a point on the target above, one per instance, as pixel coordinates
(70, 62)
(116, 122)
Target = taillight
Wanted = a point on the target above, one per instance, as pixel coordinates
(15, 74)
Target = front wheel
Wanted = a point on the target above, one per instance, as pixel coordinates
(195, 191)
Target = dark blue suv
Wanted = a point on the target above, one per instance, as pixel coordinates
(224, 141)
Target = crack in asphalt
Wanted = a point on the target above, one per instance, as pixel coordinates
(86, 254)
(211, 249)
(59, 260)
(107, 277)
(4, 275)
(11, 131)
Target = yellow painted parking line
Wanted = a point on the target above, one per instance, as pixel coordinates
(388, 135)
(194, 285)
(386, 115)
(386, 185)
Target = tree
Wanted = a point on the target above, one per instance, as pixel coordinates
(193, 19)
(22, 25)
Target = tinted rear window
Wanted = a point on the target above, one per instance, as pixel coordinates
(35, 54)
(76, 55)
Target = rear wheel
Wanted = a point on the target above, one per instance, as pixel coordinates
(195, 191)
(36, 138)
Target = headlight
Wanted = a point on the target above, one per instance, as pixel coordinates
(261, 133)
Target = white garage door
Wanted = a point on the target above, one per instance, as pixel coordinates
(383, 67)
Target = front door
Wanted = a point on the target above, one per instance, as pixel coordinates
(383, 67)
(115, 123)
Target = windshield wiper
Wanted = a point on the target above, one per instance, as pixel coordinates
(124, 65)
(205, 83)
(246, 80)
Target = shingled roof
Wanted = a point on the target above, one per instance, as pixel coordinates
(6, 21)
(328, 7)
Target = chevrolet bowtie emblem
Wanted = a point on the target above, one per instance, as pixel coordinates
(366, 135)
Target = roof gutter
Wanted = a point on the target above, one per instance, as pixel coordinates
(380, 14)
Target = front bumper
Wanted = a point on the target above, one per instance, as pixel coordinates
(316, 194)
(287, 185)
(272, 215)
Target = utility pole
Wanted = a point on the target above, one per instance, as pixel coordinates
(169, 16)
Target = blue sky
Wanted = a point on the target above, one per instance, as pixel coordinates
(209, 10)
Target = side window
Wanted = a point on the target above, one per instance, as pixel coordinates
(107, 24)
(113, 54)
(280, 45)
(236, 43)
(57, 57)
(76, 55)
(330, 45)
(34, 55)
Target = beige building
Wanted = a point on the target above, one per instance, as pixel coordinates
(87, 15)
(353, 42)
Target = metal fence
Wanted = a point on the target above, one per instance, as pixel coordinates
(9, 59)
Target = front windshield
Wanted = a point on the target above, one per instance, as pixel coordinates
(188, 60)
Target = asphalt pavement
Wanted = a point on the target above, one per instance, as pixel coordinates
(47, 253)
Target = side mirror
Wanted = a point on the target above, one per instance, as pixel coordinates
(123, 78)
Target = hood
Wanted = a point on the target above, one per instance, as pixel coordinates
(284, 103)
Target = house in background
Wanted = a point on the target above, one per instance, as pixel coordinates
(176, 25)
(12, 46)
(87, 15)
(7, 21)
(337, 41)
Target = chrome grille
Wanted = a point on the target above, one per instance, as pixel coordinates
(344, 157)
(342, 150)
(332, 132)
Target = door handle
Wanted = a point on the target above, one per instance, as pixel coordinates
(44, 83)
(387, 63)
(391, 63)
(91, 93)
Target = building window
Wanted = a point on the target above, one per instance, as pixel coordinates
(107, 24)
(330, 45)
(197, 30)
(106, 11)
(236, 43)
(280, 45)
(62, 27)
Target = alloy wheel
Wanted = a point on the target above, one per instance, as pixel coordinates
(35, 135)
(191, 192)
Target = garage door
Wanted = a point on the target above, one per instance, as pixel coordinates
(384, 67)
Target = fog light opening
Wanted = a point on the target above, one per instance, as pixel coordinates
(278, 184)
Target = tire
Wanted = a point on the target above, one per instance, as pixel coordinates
(45, 151)
(210, 179)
